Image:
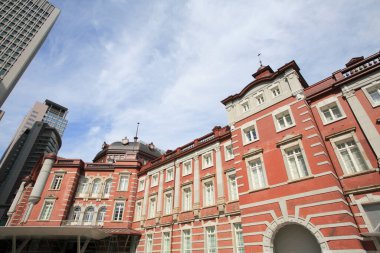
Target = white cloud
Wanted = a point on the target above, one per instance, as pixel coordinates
(169, 64)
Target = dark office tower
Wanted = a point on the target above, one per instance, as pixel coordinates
(22, 157)
(24, 25)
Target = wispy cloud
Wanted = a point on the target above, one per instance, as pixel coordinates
(168, 64)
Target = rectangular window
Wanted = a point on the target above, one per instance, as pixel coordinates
(207, 160)
(141, 184)
(186, 199)
(118, 212)
(152, 208)
(168, 203)
(232, 187)
(239, 243)
(373, 94)
(210, 240)
(229, 152)
(351, 157)
(259, 99)
(245, 106)
(138, 210)
(46, 210)
(123, 183)
(187, 168)
(169, 174)
(372, 211)
(250, 134)
(209, 196)
(149, 243)
(284, 120)
(186, 241)
(166, 242)
(257, 175)
(296, 163)
(275, 91)
(56, 184)
(154, 180)
(331, 112)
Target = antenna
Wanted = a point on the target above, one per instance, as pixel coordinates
(137, 131)
(258, 55)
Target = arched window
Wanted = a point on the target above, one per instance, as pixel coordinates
(107, 187)
(83, 186)
(76, 214)
(95, 187)
(88, 214)
(101, 215)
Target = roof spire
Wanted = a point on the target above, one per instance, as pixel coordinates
(137, 131)
(258, 55)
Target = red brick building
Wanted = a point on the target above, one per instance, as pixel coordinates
(295, 170)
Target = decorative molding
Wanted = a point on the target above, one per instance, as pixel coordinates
(346, 131)
(287, 139)
(253, 152)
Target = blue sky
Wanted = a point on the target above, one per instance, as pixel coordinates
(168, 64)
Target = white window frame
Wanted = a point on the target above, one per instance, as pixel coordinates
(187, 167)
(83, 186)
(48, 215)
(57, 181)
(141, 184)
(169, 174)
(238, 228)
(279, 113)
(186, 234)
(152, 207)
(87, 216)
(101, 215)
(154, 181)
(187, 205)
(245, 106)
(114, 211)
(107, 190)
(373, 85)
(168, 205)
(123, 184)
(274, 90)
(247, 127)
(329, 103)
(233, 188)
(228, 155)
(208, 197)
(149, 243)
(75, 215)
(166, 237)
(98, 189)
(260, 98)
(138, 210)
(208, 234)
(368, 199)
(291, 146)
(261, 175)
(345, 138)
(206, 165)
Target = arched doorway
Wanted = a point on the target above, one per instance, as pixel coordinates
(294, 238)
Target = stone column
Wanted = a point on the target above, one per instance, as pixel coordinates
(219, 180)
(39, 186)
(177, 185)
(365, 122)
(146, 196)
(196, 190)
(159, 197)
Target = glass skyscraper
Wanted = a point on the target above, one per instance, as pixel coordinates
(24, 25)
